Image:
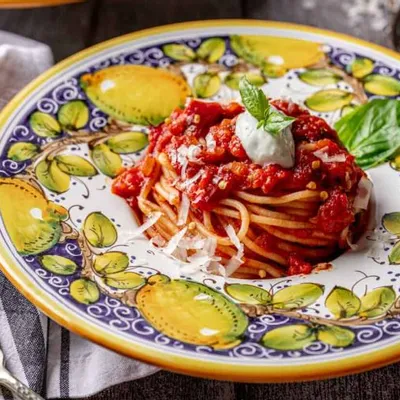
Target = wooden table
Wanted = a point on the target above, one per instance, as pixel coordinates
(68, 29)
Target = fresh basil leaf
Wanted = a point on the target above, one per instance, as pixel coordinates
(276, 122)
(253, 99)
(372, 131)
(260, 123)
(258, 106)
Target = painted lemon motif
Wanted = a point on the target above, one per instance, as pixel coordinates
(33, 222)
(191, 312)
(287, 52)
(135, 93)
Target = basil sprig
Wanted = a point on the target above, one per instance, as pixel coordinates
(258, 106)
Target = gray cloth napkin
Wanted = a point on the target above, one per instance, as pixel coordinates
(40, 353)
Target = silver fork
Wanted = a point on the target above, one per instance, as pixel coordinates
(14, 385)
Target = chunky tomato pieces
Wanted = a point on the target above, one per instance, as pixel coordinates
(128, 184)
(311, 128)
(336, 213)
(289, 108)
(201, 145)
(200, 142)
(298, 266)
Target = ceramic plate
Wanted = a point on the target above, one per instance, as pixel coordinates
(66, 242)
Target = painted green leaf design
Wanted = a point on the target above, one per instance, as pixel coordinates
(273, 70)
(297, 296)
(129, 142)
(391, 222)
(291, 337)
(336, 336)
(394, 256)
(58, 264)
(248, 294)
(328, 100)
(361, 67)
(377, 302)
(124, 280)
(347, 109)
(242, 49)
(99, 230)
(106, 161)
(232, 80)
(84, 291)
(206, 85)
(73, 115)
(44, 125)
(382, 85)
(342, 302)
(320, 77)
(57, 211)
(395, 163)
(111, 262)
(211, 50)
(179, 52)
(22, 151)
(51, 176)
(75, 165)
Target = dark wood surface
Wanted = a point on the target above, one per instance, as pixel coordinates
(68, 29)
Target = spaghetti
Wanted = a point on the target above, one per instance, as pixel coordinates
(238, 218)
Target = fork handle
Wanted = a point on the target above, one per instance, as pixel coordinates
(17, 388)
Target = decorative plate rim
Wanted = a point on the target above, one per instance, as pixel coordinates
(185, 364)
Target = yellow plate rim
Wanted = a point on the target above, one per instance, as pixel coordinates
(35, 3)
(181, 364)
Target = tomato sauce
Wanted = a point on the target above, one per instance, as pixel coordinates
(201, 138)
(201, 145)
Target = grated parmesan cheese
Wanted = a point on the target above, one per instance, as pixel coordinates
(210, 142)
(183, 210)
(364, 190)
(150, 221)
(352, 246)
(203, 256)
(193, 179)
(233, 237)
(233, 264)
(324, 157)
(174, 241)
(193, 152)
(235, 261)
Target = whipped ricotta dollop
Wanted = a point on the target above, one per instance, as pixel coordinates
(262, 147)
